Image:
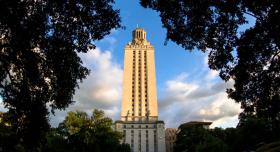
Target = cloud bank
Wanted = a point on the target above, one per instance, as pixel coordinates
(202, 100)
(182, 99)
(101, 89)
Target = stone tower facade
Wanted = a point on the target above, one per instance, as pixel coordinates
(139, 115)
(139, 83)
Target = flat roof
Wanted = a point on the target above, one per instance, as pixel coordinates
(198, 123)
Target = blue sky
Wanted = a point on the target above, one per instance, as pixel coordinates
(171, 59)
(187, 90)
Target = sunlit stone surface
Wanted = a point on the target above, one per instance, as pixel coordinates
(139, 116)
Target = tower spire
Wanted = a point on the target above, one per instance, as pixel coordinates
(139, 36)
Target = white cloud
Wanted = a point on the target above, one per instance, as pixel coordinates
(212, 75)
(2, 108)
(220, 107)
(225, 122)
(101, 89)
(204, 100)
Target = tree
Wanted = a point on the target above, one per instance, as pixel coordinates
(39, 64)
(81, 133)
(250, 58)
(56, 142)
(8, 138)
(271, 147)
(254, 133)
(194, 138)
(232, 137)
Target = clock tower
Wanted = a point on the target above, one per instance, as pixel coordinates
(139, 115)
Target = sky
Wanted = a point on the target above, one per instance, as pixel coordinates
(187, 90)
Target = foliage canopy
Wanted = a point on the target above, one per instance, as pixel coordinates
(39, 64)
(195, 138)
(81, 133)
(250, 58)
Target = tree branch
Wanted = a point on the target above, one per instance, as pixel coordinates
(251, 15)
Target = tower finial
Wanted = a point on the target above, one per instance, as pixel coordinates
(137, 25)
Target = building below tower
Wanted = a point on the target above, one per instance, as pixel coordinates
(143, 136)
(170, 138)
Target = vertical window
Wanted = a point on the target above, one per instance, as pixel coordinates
(155, 141)
(139, 81)
(139, 139)
(147, 141)
(124, 135)
(133, 82)
(132, 139)
(146, 82)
